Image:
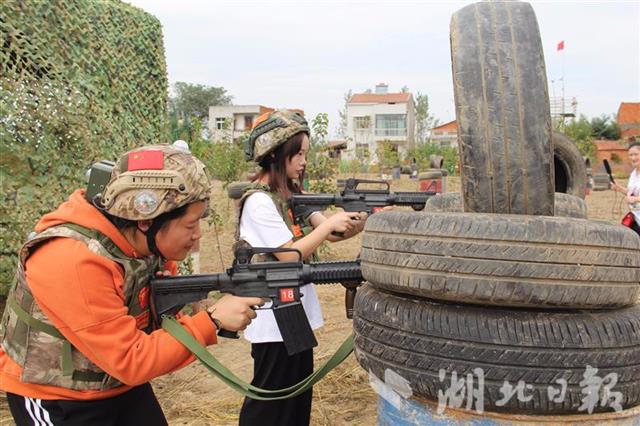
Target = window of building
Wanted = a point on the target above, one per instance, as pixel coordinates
(220, 123)
(360, 123)
(248, 122)
(391, 125)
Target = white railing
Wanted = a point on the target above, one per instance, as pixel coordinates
(391, 132)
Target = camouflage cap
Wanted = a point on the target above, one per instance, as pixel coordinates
(149, 181)
(272, 130)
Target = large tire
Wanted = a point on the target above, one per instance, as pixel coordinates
(416, 339)
(565, 205)
(436, 161)
(569, 166)
(236, 189)
(502, 109)
(430, 174)
(601, 182)
(503, 260)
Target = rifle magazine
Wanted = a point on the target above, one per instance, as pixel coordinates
(295, 329)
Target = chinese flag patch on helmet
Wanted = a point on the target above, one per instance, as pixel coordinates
(145, 160)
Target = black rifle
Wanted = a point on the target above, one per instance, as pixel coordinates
(278, 281)
(354, 199)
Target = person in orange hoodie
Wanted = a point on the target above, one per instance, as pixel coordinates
(77, 342)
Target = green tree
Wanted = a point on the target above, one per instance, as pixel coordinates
(321, 169)
(387, 153)
(424, 121)
(320, 128)
(224, 160)
(342, 128)
(194, 100)
(605, 127)
(184, 128)
(581, 132)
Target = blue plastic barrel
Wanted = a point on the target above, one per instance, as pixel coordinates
(409, 412)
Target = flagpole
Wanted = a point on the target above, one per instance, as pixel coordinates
(559, 49)
(562, 54)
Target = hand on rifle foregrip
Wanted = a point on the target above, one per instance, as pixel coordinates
(346, 224)
(232, 314)
(360, 221)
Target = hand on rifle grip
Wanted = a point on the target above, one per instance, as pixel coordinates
(231, 314)
(228, 334)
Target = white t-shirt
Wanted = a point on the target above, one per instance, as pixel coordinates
(633, 189)
(262, 226)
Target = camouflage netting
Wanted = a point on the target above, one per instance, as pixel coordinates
(80, 80)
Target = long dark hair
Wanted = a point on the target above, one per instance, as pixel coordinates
(275, 164)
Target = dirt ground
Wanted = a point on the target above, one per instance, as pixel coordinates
(193, 397)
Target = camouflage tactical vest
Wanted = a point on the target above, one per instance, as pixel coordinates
(282, 206)
(31, 340)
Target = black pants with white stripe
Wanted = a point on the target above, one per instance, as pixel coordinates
(137, 406)
(273, 368)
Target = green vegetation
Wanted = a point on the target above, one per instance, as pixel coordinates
(321, 169)
(422, 152)
(584, 131)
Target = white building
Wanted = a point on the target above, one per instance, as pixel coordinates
(376, 117)
(226, 121)
(445, 135)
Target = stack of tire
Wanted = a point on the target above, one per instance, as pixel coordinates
(601, 182)
(494, 280)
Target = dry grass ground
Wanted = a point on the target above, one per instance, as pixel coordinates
(193, 397)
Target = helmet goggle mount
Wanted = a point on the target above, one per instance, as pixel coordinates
(144, 179)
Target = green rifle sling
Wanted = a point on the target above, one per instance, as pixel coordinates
(175, 329)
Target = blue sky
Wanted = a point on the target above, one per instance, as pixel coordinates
(307, 54)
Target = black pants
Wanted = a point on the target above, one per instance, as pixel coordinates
(274, 369)
(135, 407)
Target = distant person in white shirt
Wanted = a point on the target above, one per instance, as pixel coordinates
(632, 191)
(279, 143)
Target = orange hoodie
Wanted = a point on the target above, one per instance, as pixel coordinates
(81, 293)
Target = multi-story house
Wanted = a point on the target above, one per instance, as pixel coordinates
(629, 121)
(445, 135)
(373, 118)
(231, 121)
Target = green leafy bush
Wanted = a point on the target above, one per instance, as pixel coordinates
(422, 152)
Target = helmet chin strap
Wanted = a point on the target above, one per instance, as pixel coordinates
(150, 235)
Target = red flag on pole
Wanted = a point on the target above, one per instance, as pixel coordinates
(560, 46)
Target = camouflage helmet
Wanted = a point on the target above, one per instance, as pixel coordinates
(149, 181)
(272, 130)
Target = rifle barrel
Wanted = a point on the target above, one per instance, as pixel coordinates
(333, 272)
(408, 198)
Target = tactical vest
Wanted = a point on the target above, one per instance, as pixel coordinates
(31, 340)
(285, 212)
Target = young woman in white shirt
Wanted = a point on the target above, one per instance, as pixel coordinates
(279, 143)
(632, 190)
